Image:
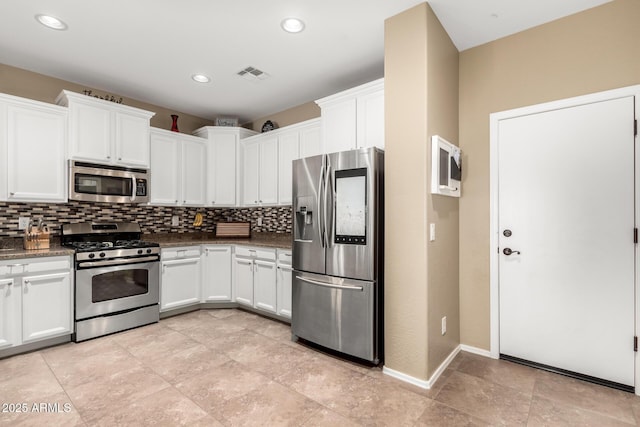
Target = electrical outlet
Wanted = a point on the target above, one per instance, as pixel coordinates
(23, 222)
(444, 325)
(175, 220)
(259, 221)
(432, 232)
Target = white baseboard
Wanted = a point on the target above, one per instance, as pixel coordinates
(476, 350)
(406, 378)
(425, 384)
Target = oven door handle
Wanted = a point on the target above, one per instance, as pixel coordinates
(117, 261)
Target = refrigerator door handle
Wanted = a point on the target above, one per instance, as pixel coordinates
(330, 285)
(327, 219)
(319, 202)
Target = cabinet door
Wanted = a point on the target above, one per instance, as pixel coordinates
(180, 283)
(9, 313)
(132, 140)
(283, 291)
(36, 154)
(90, 132)
(221, 170)
(165, 174)
(370, 119)
(243, 281)
(339, 126)
(250, 174)
(46, 306)
(217, 274)
(264, 285)
(193, 172)
(310, 142)
(287, 153)
(268, 184)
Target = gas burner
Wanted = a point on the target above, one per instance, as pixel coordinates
(90, 246)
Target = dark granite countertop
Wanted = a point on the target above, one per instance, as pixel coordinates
(269, 240)
(12, 248)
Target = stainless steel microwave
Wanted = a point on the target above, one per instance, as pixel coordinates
(91, 182)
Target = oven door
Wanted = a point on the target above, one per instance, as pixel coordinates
(112, 289)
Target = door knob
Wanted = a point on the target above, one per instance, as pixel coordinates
(508, 251)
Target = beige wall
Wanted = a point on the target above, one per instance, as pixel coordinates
(421, 278)
(297, 114)
(27, 84)
(442, 265)
(592, 51)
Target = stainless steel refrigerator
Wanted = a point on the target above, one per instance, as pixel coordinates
(338, 250)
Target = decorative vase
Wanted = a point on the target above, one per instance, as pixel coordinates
(174, 124)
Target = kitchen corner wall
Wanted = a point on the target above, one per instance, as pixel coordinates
(152, 219)
(421, 276)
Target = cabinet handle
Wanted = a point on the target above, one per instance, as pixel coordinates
(108, 157)
(26, 282)
(184, 201)
(119, 158)
(12, 193)
(260, 201)
(176, 201)
(14, 265)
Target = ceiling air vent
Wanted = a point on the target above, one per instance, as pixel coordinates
(253, 74)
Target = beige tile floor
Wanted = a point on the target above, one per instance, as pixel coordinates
(229, 367)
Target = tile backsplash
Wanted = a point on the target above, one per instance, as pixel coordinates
(152, 219)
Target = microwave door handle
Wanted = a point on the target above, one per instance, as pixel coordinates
(133, 188)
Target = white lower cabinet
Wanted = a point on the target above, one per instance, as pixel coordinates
(255, 277)
(35, 300)
(264, 285)
(216, 265)
(10, 309)
(180, 280)
(283, 284)
(46, 306)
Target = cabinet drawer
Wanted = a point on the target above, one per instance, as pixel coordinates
(178, 253)
(284, 256)
(34, 265)
(261, 253)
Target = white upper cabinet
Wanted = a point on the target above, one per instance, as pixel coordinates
(310, 139)
(32, 151)
(260, 170)
(222, 163)
(106, 132)
(288, 151)
(178, 164)
(194, 156)
(354, 118)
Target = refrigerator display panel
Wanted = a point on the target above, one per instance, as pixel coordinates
(351, 206)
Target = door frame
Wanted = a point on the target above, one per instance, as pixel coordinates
(494, 283)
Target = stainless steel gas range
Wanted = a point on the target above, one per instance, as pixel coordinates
(117, 277)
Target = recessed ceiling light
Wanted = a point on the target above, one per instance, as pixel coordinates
(51, 22)
(292, 25)
(201, 78)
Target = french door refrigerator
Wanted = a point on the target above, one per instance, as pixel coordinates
(338, 205)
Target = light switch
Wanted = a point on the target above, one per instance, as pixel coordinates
(432, 232)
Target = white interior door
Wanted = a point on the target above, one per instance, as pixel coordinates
(566, 194)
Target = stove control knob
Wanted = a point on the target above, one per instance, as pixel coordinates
(148, 251)
(92, 255)
(102, 254)
(139, 251)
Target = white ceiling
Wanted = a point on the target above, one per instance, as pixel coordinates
(148, 49)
